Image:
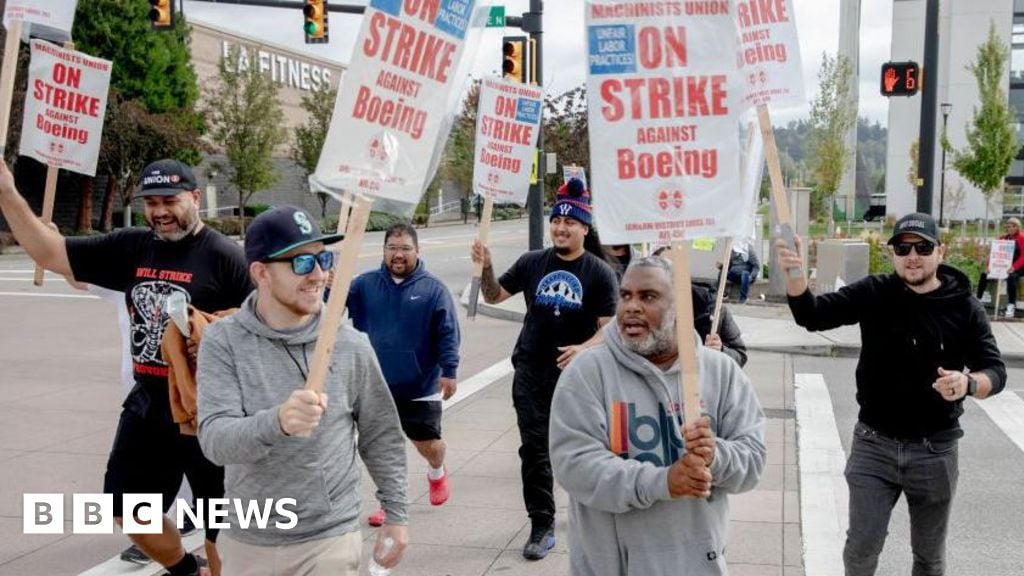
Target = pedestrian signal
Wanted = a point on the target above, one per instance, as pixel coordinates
(900, 78)
(315, 27)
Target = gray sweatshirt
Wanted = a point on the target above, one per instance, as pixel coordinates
(615, 432)
(246, 371)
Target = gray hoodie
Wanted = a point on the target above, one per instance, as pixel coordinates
(246, 371)
(614, 432)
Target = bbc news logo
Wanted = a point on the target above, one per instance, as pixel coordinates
(94, 513)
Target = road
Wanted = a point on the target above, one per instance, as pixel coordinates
(984, 537)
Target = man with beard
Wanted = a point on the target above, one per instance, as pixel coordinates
(280, 440)
(570, 294)
(176, 254)
(925, 345)
(647, 494)
(410, 318)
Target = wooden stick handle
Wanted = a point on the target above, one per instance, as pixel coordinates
(330, 315)
(344, 212)
(483, 232)
(7, 75)
(721, 286)
(771, 155)
(688, 386)
(49, 194)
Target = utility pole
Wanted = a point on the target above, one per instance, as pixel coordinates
(929, 97)
(532, 23)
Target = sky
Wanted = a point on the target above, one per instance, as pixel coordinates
(565, 44)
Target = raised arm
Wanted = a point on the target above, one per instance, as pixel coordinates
(44, 245)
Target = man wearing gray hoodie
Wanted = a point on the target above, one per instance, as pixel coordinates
(648, 495)
(278, 441)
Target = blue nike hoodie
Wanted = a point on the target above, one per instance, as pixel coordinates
(413, 327)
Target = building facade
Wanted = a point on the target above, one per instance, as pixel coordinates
(963, 26)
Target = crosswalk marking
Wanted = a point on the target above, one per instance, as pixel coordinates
(1007, 411)
(823, 492)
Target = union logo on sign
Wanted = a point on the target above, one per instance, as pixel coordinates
(670, 200)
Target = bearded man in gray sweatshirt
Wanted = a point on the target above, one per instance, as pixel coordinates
(278, 441)
(648, 495)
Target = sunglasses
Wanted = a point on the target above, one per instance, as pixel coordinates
(922, 248)
(303, 264)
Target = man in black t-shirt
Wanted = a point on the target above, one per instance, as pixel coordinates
(176, 254)
(570, 294)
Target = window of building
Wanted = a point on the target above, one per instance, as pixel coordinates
(1017, 49)
(1018, 5)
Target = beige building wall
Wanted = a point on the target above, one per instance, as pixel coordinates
(296, 73)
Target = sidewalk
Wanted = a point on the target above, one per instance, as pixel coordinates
(770, 328)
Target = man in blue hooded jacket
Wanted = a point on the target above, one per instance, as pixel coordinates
(410, 318)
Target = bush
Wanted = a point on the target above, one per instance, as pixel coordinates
(879, 259)
(968, 255)
(378, 222)
(229, 226)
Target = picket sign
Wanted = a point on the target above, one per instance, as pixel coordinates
(721, 286)
(49, 197)
(345, 212)
(330, 316)
(689, 392)
(10, 69)
(483, 233)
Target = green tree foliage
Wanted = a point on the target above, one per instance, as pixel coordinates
(245, 118)
(991, 143)
(151, 66)
(567, 133)
(832, 116)
(460, 151)
(309, 137)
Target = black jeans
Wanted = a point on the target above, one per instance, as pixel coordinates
(878, 470)
(1012, 280)
(532, 390)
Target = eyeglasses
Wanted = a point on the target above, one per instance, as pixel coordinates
(402, 249)
(303, 264)
(922, 248)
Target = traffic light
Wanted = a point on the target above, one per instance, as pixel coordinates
(161, 14)
(900, 78)
(315, 27)
(513, 58)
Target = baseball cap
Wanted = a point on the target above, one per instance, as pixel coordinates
(168, 177)
(918, 224)
(281, 229)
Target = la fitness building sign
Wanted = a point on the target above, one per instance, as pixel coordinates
(282, 68)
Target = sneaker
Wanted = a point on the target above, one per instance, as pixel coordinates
(439, 489)
(542, 540)
(743, 301)
(201, 569)
(134, 555)
(1011, 310)
(377, 518)
(986, 298)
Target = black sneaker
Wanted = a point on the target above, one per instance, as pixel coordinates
(135, 556)
(200, 564)
(542, 540)
(187, 527)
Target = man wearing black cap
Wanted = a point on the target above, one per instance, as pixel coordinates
(925, 345)
(570, 294)
(278, 440)
(177, 254)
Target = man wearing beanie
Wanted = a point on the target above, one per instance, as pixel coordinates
(278, 440)
(176, 254)
(570, 294)
(927, 345)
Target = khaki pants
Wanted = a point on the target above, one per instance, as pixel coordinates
(337, 556)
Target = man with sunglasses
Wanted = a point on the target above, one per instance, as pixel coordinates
(276, 439)
(925, 345)
(411, 320)
(176, 254)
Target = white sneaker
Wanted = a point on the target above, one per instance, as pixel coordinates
(986, 298)
(1011, 310)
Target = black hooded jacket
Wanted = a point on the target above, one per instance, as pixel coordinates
(905, 338)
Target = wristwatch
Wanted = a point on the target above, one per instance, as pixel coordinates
(972, 385)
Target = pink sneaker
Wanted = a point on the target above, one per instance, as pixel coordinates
(377, 518)
(439, 489)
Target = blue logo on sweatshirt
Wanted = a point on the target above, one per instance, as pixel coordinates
(560, 290)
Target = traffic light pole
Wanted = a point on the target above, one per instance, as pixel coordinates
(532, 23)
(929, 97)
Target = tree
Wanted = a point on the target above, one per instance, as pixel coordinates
(991, 143)
(832, 116)
(567, 133)
(460, 150)
(245, 118)
(310, 137)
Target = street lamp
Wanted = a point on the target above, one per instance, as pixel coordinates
(946, 108)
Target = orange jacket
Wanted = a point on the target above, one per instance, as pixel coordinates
(181, 378)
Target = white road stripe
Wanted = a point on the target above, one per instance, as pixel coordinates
(194, 542)
(823, 492)
(1007, 411)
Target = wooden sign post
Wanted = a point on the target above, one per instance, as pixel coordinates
(721, 286)
(689, 389)
(779, 198)
(10, 70)
(483, 234)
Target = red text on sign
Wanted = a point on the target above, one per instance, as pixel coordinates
(395, 114)
(404, 46)
(664, 97)
(678, 162)
(662, 48)
(757, 12)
